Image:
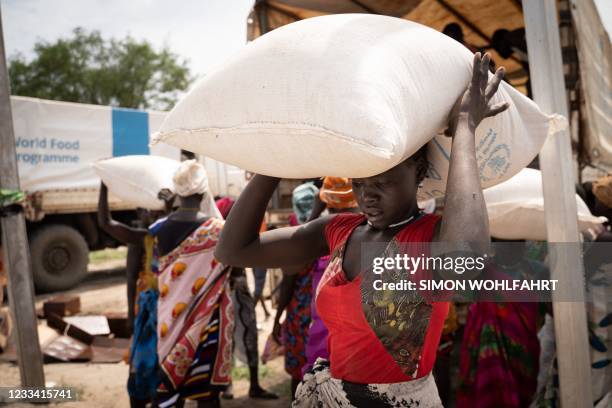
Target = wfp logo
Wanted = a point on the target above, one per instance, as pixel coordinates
(493, 159)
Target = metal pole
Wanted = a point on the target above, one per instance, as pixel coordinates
(546, 70)
(15, 247)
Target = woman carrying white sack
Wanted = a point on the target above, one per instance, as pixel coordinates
(141, 270)
(194, 315)
(377, 357)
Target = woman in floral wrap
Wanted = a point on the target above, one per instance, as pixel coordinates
(194, 313)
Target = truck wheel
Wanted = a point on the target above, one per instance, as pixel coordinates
(59, 258)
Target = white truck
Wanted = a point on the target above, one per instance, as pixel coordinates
(56, 144)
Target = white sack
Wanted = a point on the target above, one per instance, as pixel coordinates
(350, 95)
(138, 179)
(516, 208)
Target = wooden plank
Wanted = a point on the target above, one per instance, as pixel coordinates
(571, 336)
(283, 11)
(15, 248)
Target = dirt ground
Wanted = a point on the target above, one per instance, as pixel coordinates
(103, 385)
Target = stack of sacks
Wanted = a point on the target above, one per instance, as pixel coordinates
(516, 208)
(351, 95)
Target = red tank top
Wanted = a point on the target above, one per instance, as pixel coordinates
(377, 336)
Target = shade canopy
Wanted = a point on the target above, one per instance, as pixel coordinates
(479, 19)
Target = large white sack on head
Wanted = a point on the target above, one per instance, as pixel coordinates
(138, 179)
(516, 208)
(350, 95)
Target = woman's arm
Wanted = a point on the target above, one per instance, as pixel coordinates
(287, 286)
(117, 230)
(241, 244)
(465, 213)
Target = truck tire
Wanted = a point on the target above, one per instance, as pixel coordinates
(59, 258)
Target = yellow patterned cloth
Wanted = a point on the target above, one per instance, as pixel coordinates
(147, 277)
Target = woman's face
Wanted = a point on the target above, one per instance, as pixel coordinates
(389, 197)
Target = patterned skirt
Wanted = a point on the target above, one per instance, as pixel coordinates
(319, 389)
(296, 325)
(500, 346)
(197, 384)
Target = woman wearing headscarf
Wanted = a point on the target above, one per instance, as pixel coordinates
(141, 272)
(295, 295)
(140, 262)
(195, 319)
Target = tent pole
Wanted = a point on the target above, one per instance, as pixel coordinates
(15, 248)
(546, 70)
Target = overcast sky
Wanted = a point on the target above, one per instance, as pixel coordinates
(605, 11)
(203, 31)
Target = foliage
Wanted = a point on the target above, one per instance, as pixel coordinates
(87, 68)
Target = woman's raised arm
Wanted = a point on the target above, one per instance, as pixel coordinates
(242, 245)
(465, 213)
(115, 229)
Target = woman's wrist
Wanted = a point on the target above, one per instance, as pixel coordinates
(263, 186)
(464, 121)
(260, 178)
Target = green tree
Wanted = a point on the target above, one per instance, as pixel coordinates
(87, 68)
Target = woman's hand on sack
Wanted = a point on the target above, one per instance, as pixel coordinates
(475, 104)
(165, 194)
